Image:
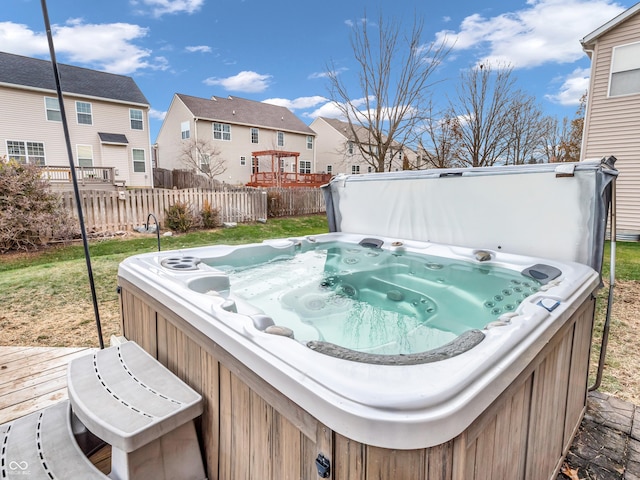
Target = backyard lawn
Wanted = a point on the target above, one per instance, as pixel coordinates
(46, 299)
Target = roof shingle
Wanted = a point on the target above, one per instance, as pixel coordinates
(245, 112)
(35, 73)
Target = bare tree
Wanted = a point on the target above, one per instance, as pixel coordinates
(439, 146)
(573, 145)
(526, 129)
(556, 135)
(563, 140)
(202, 156)
(394, 73)
(482, 114)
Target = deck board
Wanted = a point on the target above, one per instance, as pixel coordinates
(32, 378)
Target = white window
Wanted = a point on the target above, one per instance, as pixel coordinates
(185, 132)
(255, 165)
(309, 142)
(280, 136)
(625, 70)
(355, 169)
(255, 135)
(205, 163)
(138, 160)
(400, 155)
(369, 169)
(26, 152)
(135, 118)
(222, 131)
(329, 168)
(53, 109)
(243, 160)
(305, 166)
(85, 155)
(83, 113)
(350, 148)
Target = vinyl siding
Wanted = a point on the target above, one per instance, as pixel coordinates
(331, 149)
(24, 118)
(612, 125)
(169, 144)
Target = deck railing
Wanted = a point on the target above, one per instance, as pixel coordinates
(85, 175)
(288, 179)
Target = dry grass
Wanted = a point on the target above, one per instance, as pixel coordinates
(621, 376)
(57, 313)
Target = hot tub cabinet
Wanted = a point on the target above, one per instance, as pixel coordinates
(279, 405)
(250, 430)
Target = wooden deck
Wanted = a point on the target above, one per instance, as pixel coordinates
(32, 378)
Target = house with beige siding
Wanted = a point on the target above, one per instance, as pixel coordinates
(222, 134)
(337, 149)
(612, 117)
(107, 116)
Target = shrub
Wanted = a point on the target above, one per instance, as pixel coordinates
(210, 215)
(30, 214)
(179, 217)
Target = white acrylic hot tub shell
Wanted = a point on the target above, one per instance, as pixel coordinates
(398, 407)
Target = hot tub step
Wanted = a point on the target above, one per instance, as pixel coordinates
(127, 398)
(42, 446)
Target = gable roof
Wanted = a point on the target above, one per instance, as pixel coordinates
(244, 112)
(611, 24)
(33, 73)
(343, 127)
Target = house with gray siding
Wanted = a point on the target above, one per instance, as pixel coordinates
(226, 132)
(612, 117)
(107, 116)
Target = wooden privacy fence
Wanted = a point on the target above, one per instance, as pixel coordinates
(107, 211)
(284, 202)
(125, 210)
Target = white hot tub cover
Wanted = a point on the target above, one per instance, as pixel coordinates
(556, 211)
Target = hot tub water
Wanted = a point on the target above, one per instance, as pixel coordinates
(376, 300)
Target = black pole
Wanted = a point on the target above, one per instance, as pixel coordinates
(74, 178)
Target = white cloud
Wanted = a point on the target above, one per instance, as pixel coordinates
(20, 40)
(572, 89)
(245, 81)
(328, 110)
(299, 103)
(157, 114)
(544, 31)
(199, 48)
(162, 7)
(107, 46)
(334, 110)
(336, 72)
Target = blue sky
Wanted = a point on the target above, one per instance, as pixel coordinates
(278, 51)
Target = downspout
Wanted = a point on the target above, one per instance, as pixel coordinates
(151, 154)
(587, 116)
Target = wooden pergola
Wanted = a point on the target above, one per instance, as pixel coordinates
(277, 177)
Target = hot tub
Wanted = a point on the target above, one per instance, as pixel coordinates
(356, 355)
